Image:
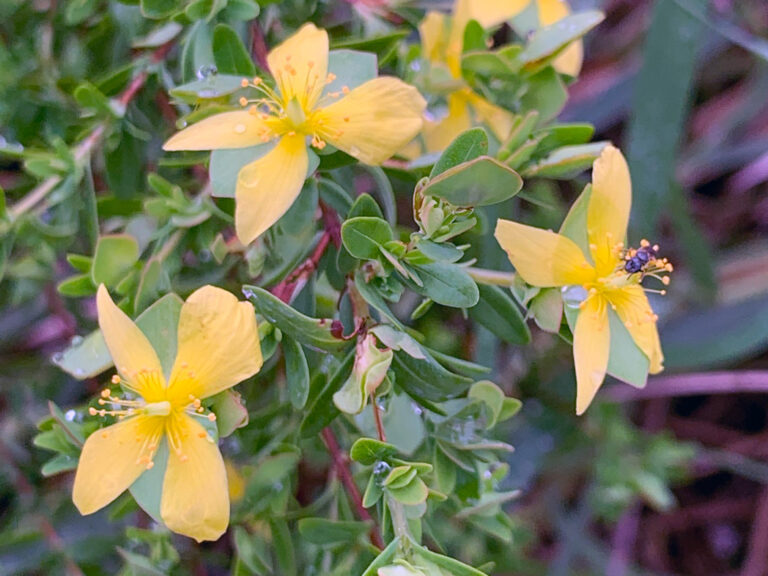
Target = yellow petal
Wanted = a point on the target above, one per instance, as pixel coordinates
(218, 344)
(300, 65)
(569, 62)
(500, 121)
(111, 461)
(238, 129)
(133, 355)
(635, 312)
(438, 135)
(591, 348)
(609, 205)
(541, 257)
(434, 35)
(267, 187)
(195, 500)
(374, 120)
(488, 12)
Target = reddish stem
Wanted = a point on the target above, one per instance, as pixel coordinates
(286, 289)
(703, 383)
(340, 463)
(377, 418)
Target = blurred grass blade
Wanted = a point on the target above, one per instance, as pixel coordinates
(660, 106)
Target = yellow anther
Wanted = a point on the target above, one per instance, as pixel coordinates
(243, 101)
(256, 80)
(345, 89)
(106, 392)
(330, 78)
(115, 380)
(201, 434)
(244, 82)
(212, 417)
(104, 434)
(150, 465)
(92, 411)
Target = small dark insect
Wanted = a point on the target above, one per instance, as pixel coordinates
(639, 259)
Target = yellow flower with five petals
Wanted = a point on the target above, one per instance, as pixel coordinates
(442, 38)
(609, 274)
(370, 122)
(218, 346)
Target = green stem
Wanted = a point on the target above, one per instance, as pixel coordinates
(399, 520)
(491, 277)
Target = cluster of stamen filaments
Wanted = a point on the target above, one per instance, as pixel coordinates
(285, 117)
(121, 408)
(635, 264)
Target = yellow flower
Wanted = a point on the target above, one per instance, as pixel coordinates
(371, 122)
(442, 38)
(218, 346)
(609, 274)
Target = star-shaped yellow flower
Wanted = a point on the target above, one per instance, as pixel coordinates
(442, 38)
(370, 122)
(609, 274)
(218, 346)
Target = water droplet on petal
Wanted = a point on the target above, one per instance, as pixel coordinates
(574, 295)
(70, 415)
(57, 358)
(76, 341)
(240, 128)
(248, 293)
(206, 71)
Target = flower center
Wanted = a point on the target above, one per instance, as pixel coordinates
(295, 111)
(165, 413)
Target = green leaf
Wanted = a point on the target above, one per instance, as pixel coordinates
(547, 309)
(230, 55)
(282, 543)
(386, 557)
(546, 93)
(728, 334)
(351, 68)
(88, 96)
(448, 565)
(226, 165)
(76, 11)
(114, 258)
(479, 182)
(566, 162)
(243, 10)
(466, 146)
(492, 396)
(447, 284)
(77, 286)
(204, 9)
(308, 331)
(497, 311)
(412, 494)
(363, 236)
(559, 135)
(230, 411)
(157, 9)
(324, 532)
(214, 86)
(296, 372)
(251, 551)
(322, 410)
(549, 41)
(368, 451)
(670, 57)
(425, 378)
